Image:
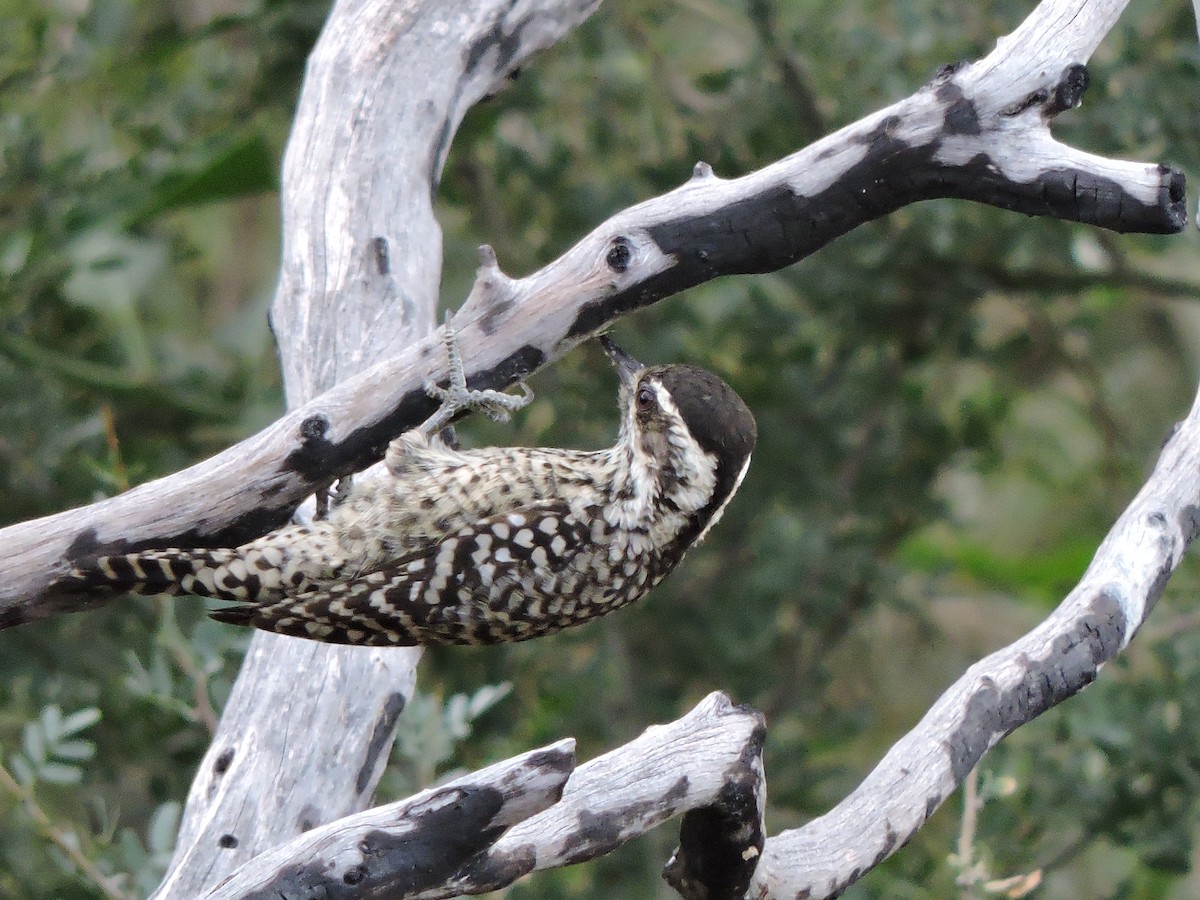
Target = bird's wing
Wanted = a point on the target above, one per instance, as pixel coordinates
(508, 577)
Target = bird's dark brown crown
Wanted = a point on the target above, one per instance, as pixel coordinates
(716, 416)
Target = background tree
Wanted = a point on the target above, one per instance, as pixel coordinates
(975, 396)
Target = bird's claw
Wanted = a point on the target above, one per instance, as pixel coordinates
(456, 396)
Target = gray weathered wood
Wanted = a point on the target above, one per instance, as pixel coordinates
(978, 131)
(308, 727)
(720, 844)
(693, 763)
(1065, 652)
(1004, 690)
(400, 849)
(666, 771)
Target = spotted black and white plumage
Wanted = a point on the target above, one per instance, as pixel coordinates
(484, 546)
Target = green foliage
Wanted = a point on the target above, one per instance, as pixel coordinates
(52, 748)
(52, 757)
(954, 403)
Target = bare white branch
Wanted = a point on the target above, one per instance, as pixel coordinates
(1003, 691)
(401, 849)
(666, 771)
(309, 726)
(977, 131)
(452, 840)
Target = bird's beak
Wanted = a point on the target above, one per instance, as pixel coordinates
(627, 367)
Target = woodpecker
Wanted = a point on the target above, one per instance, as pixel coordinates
(489, 545)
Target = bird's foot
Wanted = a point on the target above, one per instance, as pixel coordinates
(456, 396)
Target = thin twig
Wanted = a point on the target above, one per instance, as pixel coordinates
(120, 474)
(970, 872)
(171, 637)
(60, 839)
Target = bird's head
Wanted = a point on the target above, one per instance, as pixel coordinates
(687, 429)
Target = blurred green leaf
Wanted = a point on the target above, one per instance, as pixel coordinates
(1045, 576)
(77, 722)
(245, 168)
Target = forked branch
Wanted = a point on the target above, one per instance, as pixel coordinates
(481, 832)
(978, 131)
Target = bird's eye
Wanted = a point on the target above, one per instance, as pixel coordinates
(645, 398)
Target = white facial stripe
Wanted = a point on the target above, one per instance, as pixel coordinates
(716, 516)
(701, 478)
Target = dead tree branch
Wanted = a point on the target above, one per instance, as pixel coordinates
(461, 839)
(404, 848)
(1004, 691)
(978, 131)
(308, 728)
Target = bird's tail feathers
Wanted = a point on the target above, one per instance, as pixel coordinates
(157, 572)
